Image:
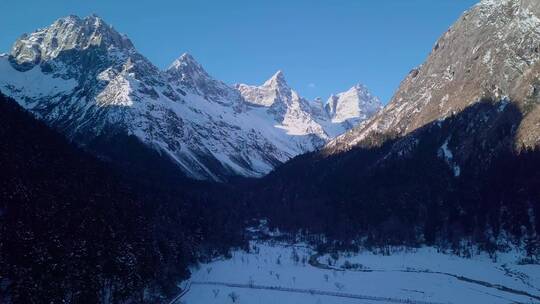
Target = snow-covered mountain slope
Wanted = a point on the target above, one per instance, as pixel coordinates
(491, 52)
(88, 81)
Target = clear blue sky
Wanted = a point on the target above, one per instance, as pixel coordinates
(322, 46)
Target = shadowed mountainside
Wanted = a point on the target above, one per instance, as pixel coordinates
(71, 229)
(452, 180)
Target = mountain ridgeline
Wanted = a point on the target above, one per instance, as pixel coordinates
(88, 81)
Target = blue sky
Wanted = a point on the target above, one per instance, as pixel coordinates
(322, 46)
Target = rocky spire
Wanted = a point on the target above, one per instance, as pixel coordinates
(186, 68)
(277, 81)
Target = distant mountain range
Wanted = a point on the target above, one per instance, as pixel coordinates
(88, 81)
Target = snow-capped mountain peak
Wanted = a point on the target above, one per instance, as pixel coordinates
(187, 67)
(352, 106)
(277, 81)
(188, 75)
(68, 33)
(264, 95)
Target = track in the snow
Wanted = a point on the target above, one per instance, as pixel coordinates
(314, 292)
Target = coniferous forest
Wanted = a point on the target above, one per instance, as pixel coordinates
(415, 197)
(72, 231)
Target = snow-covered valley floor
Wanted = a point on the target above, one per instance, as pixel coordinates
(282, 273)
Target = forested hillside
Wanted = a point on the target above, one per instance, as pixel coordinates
(410, 190)
(71, 230)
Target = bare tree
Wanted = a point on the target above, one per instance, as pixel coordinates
(234, 297)
(295, 257)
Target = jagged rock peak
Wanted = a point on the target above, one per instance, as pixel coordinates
(185, 59)
(359, 87)
(190, 75)
(277, 80)
(186, 66)
(65, 34)
(274, 90)
(353, 105)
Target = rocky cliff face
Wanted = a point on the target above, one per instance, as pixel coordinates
(491, 52)
(88, 81)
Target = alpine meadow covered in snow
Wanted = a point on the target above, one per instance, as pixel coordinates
(125, 179)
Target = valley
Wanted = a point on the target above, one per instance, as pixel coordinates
(125, 181)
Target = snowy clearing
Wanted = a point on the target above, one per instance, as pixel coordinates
(282, 273)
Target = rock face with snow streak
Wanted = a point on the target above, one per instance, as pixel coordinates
(89, 82)
(353, 106)
(492, 52)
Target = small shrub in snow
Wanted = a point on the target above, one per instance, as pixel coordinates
(528, 261)
(295, 257)
(353, 266)
(329, 261)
